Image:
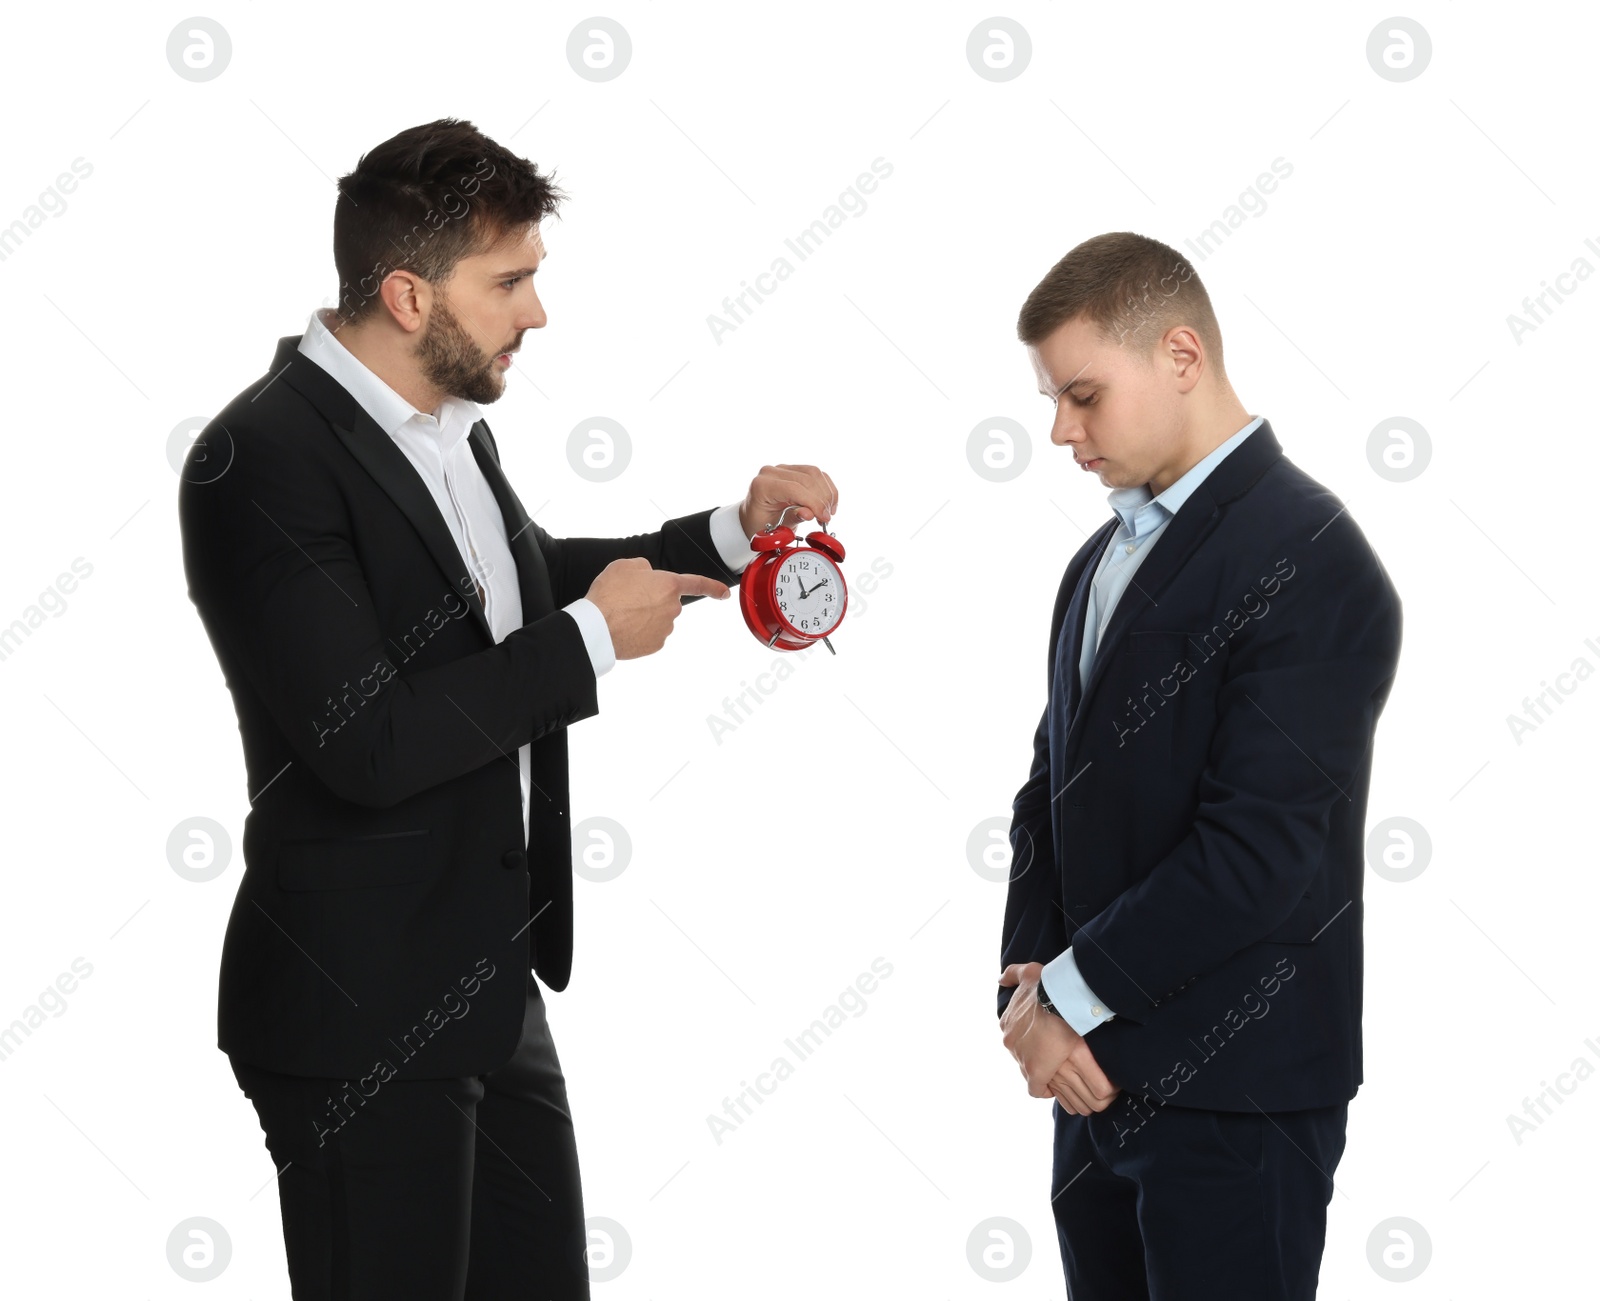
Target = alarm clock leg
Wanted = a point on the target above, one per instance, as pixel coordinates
(829, 645)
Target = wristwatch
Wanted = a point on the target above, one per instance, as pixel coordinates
(1042, 997)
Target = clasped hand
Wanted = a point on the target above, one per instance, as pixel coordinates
(1054, 1058)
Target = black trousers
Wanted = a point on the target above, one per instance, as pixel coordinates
(431, 1190)
(1157, 1202)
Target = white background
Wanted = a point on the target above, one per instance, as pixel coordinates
(1376, 283)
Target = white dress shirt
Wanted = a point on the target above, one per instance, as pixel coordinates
(436, 445)
(1142, 519)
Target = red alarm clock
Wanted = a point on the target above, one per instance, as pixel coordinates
(793, 595)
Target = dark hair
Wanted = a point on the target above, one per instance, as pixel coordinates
(1132, 287)
(423, 200)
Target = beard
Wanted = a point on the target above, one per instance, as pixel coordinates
(453, 363)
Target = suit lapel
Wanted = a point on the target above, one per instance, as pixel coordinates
(1172, 550)
(1075, 614)
(387, 464)
(1175, 545)
(1179, 541)
(533, 578)
(382, 458)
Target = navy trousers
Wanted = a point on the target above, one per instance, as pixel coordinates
(1157, 1202)
(433, 1190)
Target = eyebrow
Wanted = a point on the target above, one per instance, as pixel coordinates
(1077, 379)
(520, 271)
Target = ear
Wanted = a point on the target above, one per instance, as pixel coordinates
(1181, 349)
(408, 297)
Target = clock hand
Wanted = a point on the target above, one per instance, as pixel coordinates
(801, 582)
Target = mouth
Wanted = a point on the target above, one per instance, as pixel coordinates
(504, 358)
(1092, 463)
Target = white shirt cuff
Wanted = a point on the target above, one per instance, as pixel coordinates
(729, 536)
(1071, 995)
(596, 634)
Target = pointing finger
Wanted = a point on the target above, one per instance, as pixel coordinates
(700, 585)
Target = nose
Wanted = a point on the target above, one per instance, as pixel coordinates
(1066, 430)
(534, 317)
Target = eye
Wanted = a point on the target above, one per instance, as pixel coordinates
(1085, 402)
(511, 283)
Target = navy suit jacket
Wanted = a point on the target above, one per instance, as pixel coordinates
(1202, 851)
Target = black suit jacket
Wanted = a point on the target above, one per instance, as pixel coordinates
(1202, 849)
(384, 911)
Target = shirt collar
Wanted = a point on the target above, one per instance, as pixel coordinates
(1140, 512)
(447, 426)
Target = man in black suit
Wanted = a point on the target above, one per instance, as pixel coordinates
(405, 648)
(1182, 934)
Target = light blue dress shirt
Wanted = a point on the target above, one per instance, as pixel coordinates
(1142, 519)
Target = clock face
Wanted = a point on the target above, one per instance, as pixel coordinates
(808, 590)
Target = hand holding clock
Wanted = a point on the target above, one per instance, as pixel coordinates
(802, 488)
(773, 595)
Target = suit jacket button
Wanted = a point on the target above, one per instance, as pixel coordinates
(513, 859)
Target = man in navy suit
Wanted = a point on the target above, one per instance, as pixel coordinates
(1182, 938)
